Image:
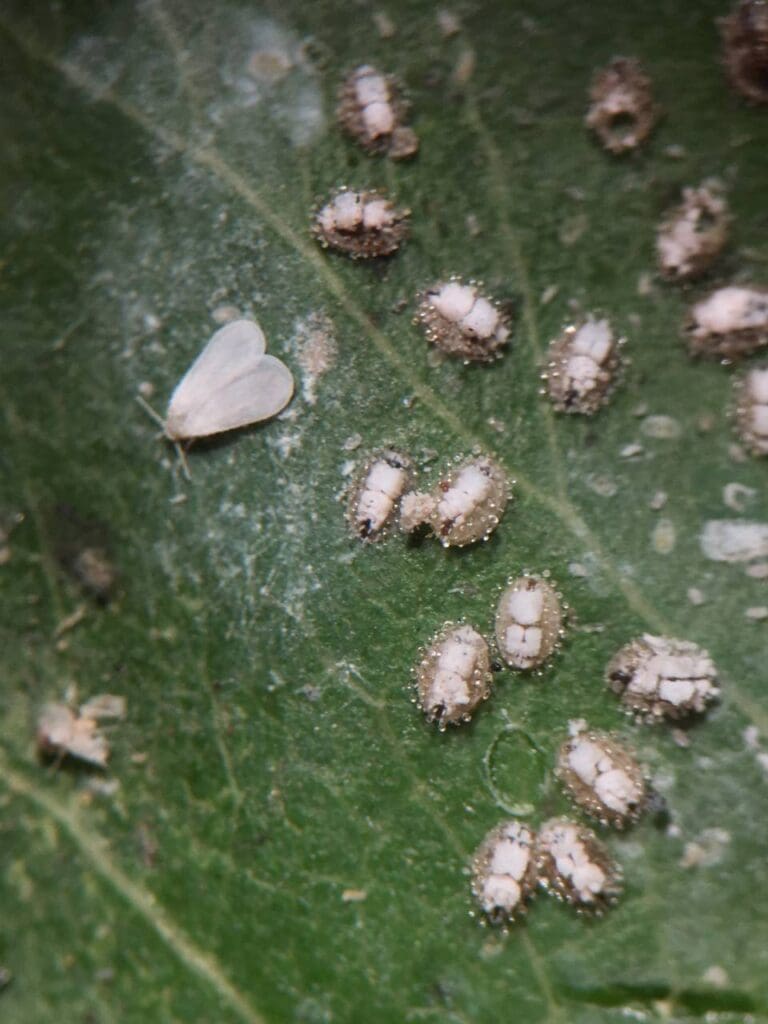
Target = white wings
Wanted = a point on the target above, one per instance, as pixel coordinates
(231, 383)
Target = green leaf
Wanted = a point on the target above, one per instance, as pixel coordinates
(280, 837)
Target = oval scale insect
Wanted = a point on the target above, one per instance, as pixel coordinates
(658, 677)
(691, 237)
(459, 320)
(751, 393)
(745, 39)
(529, 622)
(504, 872)
(362, 225)
(730, 323)
(602, 777)
(454, 675)
(373, 110)
(377, 492)
(622, 112)
(465, 506)
(576, 867)
(582, 367)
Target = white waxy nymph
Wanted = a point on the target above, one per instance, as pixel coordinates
(232, 383)
(659, 677)
(62, 732)
(752, 409)
(529, 622)
(372, 110)
(730, 323)
(504, 871)
(465, 506)
(461, 321)
(361, 224)
(576, 867)
(454, 675)
(694, 233)
(377, 492)
(602, 777)
(622, 112)
(582, 366)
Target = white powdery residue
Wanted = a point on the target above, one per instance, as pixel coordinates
(314, 344)
(758, 570)
(658, 501)
(664, 536)
(751, 737)
(662, 428)
(266, 66)
(716, 976)
(707, 850)
(738, 496)
(602, 485)
(762, 760)
(631, 451)
(757, 613)
(224, 314)
(103, 59)
(734, 540)
(695, 596)
(285, 444)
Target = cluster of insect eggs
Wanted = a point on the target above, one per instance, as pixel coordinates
(465, 505)
(564, 858)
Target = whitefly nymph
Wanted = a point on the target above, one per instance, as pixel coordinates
(751, 393)
(622, 111)
(602, 777)
(376, 493)
(729, 323)
(691, 237)
(576, 867)
(659, 677)
(453, 676)
(504, 872)
(363, 225)
(529, 622)
(464, 506)
(372, 110)
(582, 367)
(461, 321)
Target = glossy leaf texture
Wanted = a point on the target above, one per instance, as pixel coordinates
(279, 836)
